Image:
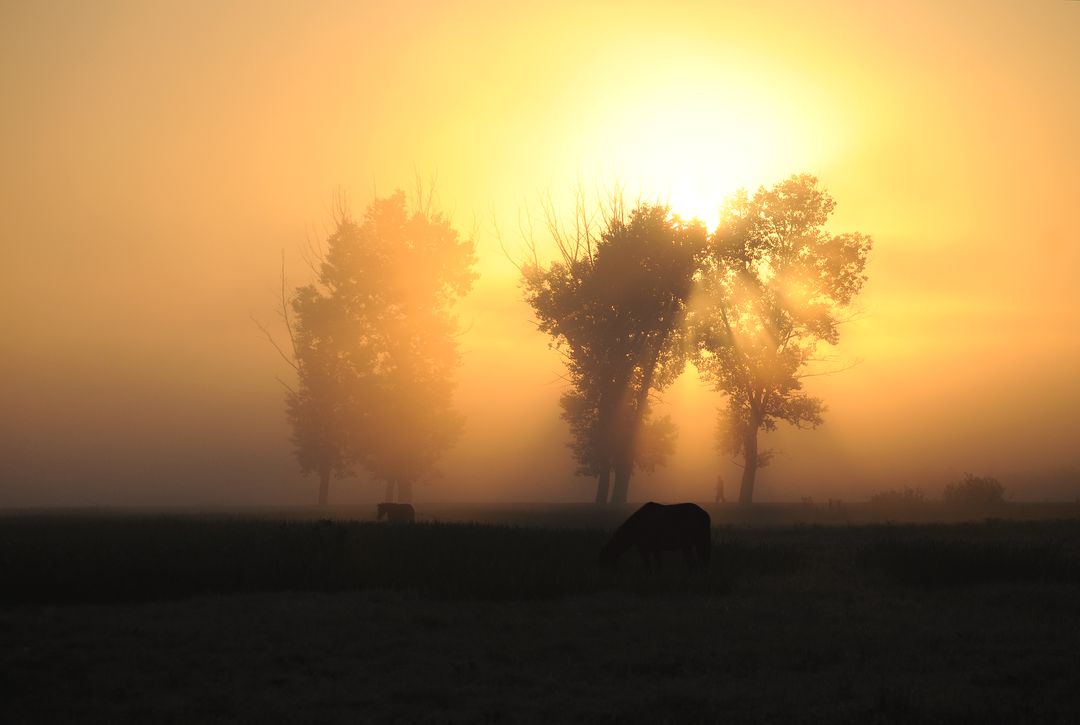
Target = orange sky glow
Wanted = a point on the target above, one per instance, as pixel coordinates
(158, 157)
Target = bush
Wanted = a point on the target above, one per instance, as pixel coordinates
(893, 498)
(975, 491)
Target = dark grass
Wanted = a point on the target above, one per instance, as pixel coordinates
(78, 560)
(934, 562)
(235, 620)
(58, 560)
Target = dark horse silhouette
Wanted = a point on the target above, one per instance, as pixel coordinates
(655, 528)
(399, 513)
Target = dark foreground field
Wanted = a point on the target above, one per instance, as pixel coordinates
(222, 619)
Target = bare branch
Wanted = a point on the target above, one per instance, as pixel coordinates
(270, 338)
(285, 385)
(285, 308)
(462, 333)
(520, 267)
(312, 253)
(829, 372)
(340, 206)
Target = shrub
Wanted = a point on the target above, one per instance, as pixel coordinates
(974, 491)
(904, 497)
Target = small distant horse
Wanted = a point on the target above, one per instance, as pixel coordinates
(397, 513)
(655, 528)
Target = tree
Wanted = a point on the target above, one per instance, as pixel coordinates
(772, 288)
(316, 409)
(375, 347)
(614, 305)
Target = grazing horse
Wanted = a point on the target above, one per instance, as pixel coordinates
(397, 513)
(655, 528)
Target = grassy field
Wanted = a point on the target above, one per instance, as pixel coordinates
(242, 619)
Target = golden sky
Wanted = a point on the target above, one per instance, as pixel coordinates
(158, 157)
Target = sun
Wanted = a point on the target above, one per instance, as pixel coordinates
(693, 142)
(695, 158)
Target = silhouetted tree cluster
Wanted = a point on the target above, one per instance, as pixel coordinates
(614, 304)
(375, 350)
(768, 287)
(628, 303)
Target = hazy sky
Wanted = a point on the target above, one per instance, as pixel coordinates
(158, 157)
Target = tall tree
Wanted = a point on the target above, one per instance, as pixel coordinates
(315, 408)
(614, 305)
(375, 347)
(772, 289)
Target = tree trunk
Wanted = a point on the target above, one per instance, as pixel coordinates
(622, 483)
(388, 497)
(602, 483)
(746, 491)
(404, 491)
(324, 486)
(624, 465)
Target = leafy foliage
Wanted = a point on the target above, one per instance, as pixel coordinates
(615, 307)
(772, 288)
(375, 347)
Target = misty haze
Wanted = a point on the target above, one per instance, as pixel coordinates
(625, 362)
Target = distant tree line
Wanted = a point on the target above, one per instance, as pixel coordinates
(633, 295)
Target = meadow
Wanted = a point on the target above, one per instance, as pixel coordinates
(272, 617)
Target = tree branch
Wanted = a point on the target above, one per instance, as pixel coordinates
(829, 372)
(273, 342)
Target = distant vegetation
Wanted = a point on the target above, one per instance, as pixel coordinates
(972, 495)
(903, 497)
(974, 491)
(900, 503)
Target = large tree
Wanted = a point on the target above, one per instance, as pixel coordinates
(316, 407)
(614, 305)
(773, 287)
(375, 347)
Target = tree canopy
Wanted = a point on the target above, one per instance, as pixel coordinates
(614, 305)
(375, 347)
(772, 287)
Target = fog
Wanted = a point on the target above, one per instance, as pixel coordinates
(158, 159)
